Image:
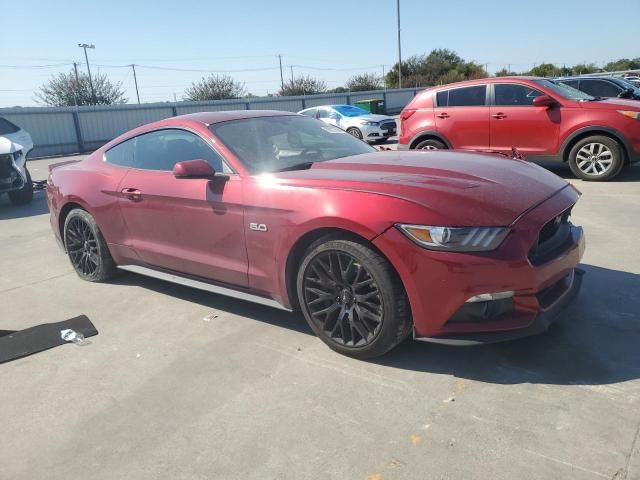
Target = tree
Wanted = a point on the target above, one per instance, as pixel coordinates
(581, 69)
(64, 89)
(338, 90)
(304, 85)
(439, 66)
(365, 81)
(215, 87)
(545, 70)
(505, 73)
(623, 64)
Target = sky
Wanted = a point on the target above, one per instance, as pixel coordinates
(328, 39)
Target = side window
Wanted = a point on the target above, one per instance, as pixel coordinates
(162, 149)
(121, 154)
(442, 98)
(323, 113)
(468, 96)
(7, 127)
(512, 95)
(600, 88)
(310, 113)
(572, 83)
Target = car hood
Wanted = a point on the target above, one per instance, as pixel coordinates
(372, 117)
(14, 142)
(464, 188)
(612, 103)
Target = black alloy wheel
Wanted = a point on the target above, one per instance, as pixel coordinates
(82, 246)
(352, 297)
(87, 248)
(343, 298)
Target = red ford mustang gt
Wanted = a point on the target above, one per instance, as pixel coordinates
(286, 211)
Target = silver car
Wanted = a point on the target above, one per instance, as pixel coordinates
(356, 121)
(15, 145)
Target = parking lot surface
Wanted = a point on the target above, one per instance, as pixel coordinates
(183, 384)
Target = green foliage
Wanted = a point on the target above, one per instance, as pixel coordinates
(364, 82)
(215, 87)
(438, 67)
(303, 85)
(623, 64)
(64, 90)
(338, 90)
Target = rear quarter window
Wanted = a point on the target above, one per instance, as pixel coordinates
(121, 154)
(442, 98)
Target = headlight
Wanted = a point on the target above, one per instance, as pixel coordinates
(371, 124)
(455, 239)
(630, 114)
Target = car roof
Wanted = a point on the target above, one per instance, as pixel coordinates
(209, 118)
(484, 81)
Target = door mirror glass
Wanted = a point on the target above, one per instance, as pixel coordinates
(543, 101)
(194, 169)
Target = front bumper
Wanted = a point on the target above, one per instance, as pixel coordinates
(439, 284)
(371, 133)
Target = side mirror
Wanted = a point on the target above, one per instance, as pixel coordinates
(193, 169)
(543, 101)
(628, 93)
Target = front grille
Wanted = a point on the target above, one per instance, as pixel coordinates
(6, 165)
(552, 240)
(388, 126)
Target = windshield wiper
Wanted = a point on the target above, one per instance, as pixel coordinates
(296, 166)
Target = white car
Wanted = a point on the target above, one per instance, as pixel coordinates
(356, 121)
(15, 145)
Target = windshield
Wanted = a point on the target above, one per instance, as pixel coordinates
(271, 144)
(564, 90)
(350, 110)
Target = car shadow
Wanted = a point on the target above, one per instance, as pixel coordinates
(596, 342)
(38, 206)
(628, 174)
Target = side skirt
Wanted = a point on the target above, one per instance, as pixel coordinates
(200, 285)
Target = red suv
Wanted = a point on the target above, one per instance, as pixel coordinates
(544, 119)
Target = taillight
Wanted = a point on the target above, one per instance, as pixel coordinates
(407, 112)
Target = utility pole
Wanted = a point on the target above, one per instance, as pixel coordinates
(174, 97)
(281, 76)
(77, 86)
(291, 73)
(384, 82)
(399, 48)
(85, 46)
(135, 80)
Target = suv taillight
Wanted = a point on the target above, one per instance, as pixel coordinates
(406, 113)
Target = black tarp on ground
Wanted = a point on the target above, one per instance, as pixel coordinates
(22, 343)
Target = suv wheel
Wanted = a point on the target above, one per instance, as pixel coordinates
(430, 144)
(87, 248)
(25, 194)
(352, 298)
(596, 158)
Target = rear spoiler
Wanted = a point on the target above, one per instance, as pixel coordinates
(56, 165)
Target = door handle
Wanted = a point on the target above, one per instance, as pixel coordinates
(499, 115)
(443, 115)
(132, 194)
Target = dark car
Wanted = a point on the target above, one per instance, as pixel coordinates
(543, 119)
(604, 87)
(289, 212)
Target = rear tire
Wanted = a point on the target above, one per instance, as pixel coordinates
(355, 132)
(25, 194)
(352, 298)
(431, 144)
(596, 158)
(87, 248)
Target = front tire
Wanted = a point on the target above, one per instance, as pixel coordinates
(352, 298)
(87, 248)
(431, 144)
(596, 158)
(25, 194)
(355, 132)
